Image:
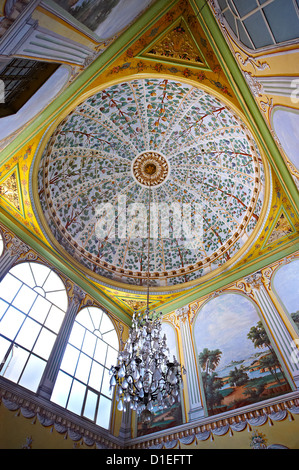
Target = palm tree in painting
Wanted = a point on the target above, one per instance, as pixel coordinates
(209, 360)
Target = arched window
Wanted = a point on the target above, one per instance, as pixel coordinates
(83, 382)
(285, 284)
(33, 302)
(260, 23)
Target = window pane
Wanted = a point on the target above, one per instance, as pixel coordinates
(96, 316)
(83, 368)
(283, 20)
(58, 298)
(40, 309)
(245, 6)
(4, 345)
(40, 273)
(15, 364)
(23, 272)
(44, 343)
(24, 299)
(106, 384)
(257, 30)
(54, 319)
(76, 397)
(100, 352)
(96, 374)
(89, 343)
(11, 322)
(53, 283)
(111, 338)
(106, 325)
(3, 307)
(33, 373)
(103, 417)
(9, 287)
(28, 333)
(90, 405)
(61, 390)
(85, 319)
(70, 359)
(111, 357)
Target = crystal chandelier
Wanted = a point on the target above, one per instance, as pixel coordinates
(144, 376)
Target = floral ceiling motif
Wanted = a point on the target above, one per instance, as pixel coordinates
(201, 214)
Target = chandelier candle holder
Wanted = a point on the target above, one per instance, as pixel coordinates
(145, 376)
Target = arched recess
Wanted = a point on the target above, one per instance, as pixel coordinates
(33, 302)
(83, 382)
(238, 363)
(284, 283)
(285, 123)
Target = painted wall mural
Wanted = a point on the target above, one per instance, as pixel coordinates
(285, 124)
(103, 17)
(238, 363)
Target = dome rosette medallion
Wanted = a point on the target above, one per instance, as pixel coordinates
(200, 161)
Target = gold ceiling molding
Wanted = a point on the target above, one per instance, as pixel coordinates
(282, 229)
(10, 190)
(176, 46)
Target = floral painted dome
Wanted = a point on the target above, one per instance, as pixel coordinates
(159, 144)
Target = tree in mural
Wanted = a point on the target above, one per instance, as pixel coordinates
(260, 339)
(238, 377)
(295, 317)
(208, 361)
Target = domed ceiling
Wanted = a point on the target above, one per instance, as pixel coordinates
(160, 139)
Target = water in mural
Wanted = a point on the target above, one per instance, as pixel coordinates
(238, 363)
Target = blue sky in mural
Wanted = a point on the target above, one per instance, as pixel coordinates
(286, 285)
(168, 330)
(223, 323)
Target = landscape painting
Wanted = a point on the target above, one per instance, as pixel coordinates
(285, 283)
(89, 12)
(237, 361)
(105, 18)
